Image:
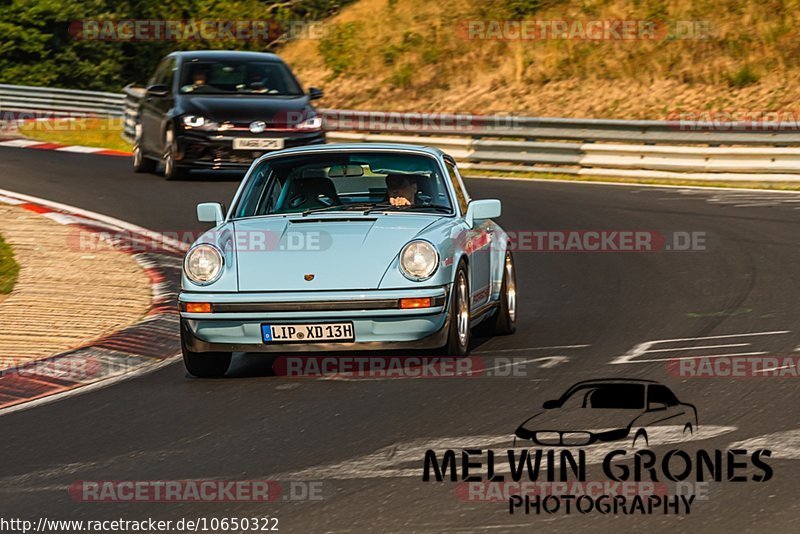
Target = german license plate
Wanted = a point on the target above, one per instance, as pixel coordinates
(257, 143)
(307, 333)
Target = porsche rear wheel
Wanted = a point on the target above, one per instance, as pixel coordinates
(459, 335)
(504, 321)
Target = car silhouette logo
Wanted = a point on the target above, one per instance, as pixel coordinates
(258, 126)
(609, 410)
(308, 277)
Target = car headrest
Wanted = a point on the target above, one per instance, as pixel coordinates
(315, 172)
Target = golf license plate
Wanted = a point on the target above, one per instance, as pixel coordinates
(255, 143)
(307, 333)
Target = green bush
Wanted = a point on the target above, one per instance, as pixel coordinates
(742, 77)
(8, 268)
(338, 45)
(402, 76)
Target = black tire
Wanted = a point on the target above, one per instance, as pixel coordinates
(141, 163)
(458, 337)
(504, 320)
(171, 170)
(204, 364)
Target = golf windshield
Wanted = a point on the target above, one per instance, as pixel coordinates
(207, 77)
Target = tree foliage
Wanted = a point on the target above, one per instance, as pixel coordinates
(38, 45)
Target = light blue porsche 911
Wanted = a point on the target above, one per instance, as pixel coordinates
(346, 247)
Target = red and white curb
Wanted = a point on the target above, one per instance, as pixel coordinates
(43, 145)
(135, 350)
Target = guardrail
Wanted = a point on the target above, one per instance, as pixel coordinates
(22, 100)
(598, 147)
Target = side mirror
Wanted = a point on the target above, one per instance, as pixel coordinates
(483, 209)
(210, 212)
(157, 90)
(314, 93)
(549, 405)
(656, 406)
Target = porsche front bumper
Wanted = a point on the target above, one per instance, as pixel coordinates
(234, 325)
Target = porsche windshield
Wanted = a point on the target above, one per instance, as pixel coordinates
(381, 181)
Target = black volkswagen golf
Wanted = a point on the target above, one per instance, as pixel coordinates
(219, 110)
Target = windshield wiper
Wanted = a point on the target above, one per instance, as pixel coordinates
(354, 206)
(417, 207)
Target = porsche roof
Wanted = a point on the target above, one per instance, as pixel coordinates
(356, 147)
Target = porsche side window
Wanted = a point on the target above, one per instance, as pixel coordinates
(461, 197)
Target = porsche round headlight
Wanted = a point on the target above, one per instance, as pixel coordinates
(203, 264)
(419, 260)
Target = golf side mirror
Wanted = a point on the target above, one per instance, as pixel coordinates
(157, 90)
(314, 93)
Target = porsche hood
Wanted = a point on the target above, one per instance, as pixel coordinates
(320, 253)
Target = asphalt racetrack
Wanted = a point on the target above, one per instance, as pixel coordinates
(583, 315)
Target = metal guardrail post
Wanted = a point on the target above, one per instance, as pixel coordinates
(639, 148)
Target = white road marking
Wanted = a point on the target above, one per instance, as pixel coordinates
(96, 386)
(171, 242)
(704, 356)
(532, 348)
(12, 201)
(80, 149)
(549, 361)
(647, 347)
(21, 143)
(678, 188)
(701, 347)
(784, 445)
(386, 462)
(178, 245)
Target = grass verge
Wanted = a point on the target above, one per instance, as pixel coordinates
(100, 133)
(106, 133)
(773, 186)
(9, 269)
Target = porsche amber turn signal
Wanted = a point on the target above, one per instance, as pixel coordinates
(197, 307)
(415, 303)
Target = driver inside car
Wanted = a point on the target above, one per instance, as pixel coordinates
(401, 190)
